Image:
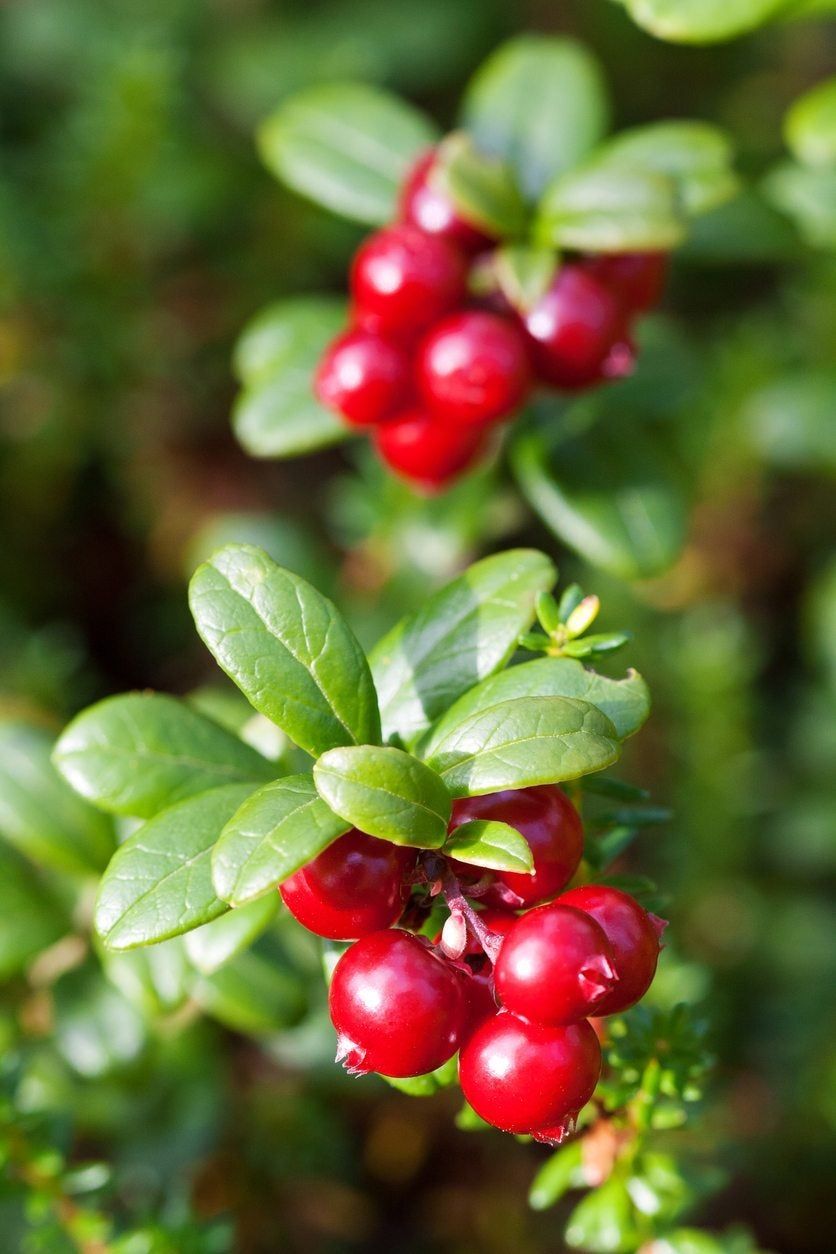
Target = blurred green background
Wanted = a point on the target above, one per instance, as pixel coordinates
(138, 232)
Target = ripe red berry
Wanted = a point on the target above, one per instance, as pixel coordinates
(555, 966)
(472, 368)
(551, 825)
(427, 449)
(353, 887)
(425, 205)
(573, 328)
(479, 999)
(364, 377)
(637, 279)
(397, 1007)
(402, 281)
(633, 934)
(524, 1077)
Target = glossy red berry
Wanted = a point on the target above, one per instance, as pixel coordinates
(402, 281)
(355, 886)
(526, 1077)
(555, 966)
(573, 329)
(425, 205)
(472, 368)
(479, 998)
(364, 377)
(552, 827)
(427, 449)
(397, 1007)
(633, 934)
(637, 279)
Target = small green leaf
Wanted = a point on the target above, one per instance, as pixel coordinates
(524, 273)
(483, 189)
(253, 994)
(31, 919)
(287, 648)
(810, 125)
(790, 419)
(808, 196)
(603, 207)
(466, 631)
(604, 1221)
(695, 155)
(159, 883)
(278, 829)
(347, 146)
(522, 742)
(539, 140)
(701, 21)
(625, 702)
(385, 793)
(140, 753)
(286, 335)
(498, 846)
(214, 944)
(157, 979)
(562, 1172)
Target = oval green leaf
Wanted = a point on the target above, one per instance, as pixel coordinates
(386, 793)
(810, 125)
(696, 156)
(483, 842)
(600, 207)
(701, 21)
(483, 189)
(211, 946)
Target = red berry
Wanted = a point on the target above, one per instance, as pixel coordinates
(555, 966)
(633, 934)
(479, 999)
(637, 279)
(363, 377)
(397, 1007)
(353, 887)
(425, 205)
(427, 449)
(573, 328)
(473, 368)
(524, 1077)
(550, 824)
(402, 281)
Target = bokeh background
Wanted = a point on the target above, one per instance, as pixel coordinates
(138, 232)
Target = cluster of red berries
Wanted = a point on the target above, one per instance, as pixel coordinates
(431, 369)
(513, 993)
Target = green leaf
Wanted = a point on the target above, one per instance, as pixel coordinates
(276, 414)
(287, 648)
(524, 273)
(157, 980)
(810, 125)
(498, 846)
(214, 944)
(463, 633)
(159, 883)
(790, 420)
(607, 207)
(278, 829)
(347, 146)
(562, 1172)
(625, 702)
(252, 994)
(701, 21)
(695, 155)
(30, 917)
(385, 793)
(39, 814)
(140, 753)
(610, 494)
(604, 1221)
(483, 189)
(808, 197)
(540, 104)
(525, 741)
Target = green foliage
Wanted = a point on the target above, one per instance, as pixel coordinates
(490, 844)
(706, 21)
(386, 793)
(604, 206)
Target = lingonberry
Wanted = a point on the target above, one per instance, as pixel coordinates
(398, 1008)
(526, 1077)
(549, 822)
(637, 279)
(364, 377)
(633, 934)
(479, 999)
(353, 887)
(472, 368)
(555, 966)
(425, 205)
(403, 280)
(427, 449)
(574, 328)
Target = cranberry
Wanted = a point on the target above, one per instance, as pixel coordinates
(353, 887)
(473, 368)
(524, 1077)
(425, 205)
(363, 377)
(637, 279)
(402, 281)
(633, 934)
(426, 449)
(573, 328)
(555, 966)
(551, 825)
(480, 1001)
(398, 1008)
